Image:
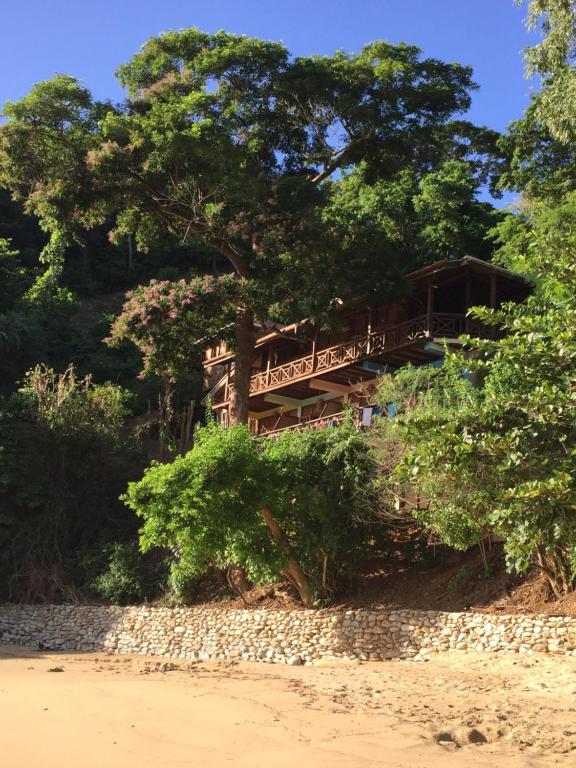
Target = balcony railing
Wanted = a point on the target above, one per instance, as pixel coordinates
(362, 347)
(325, 422)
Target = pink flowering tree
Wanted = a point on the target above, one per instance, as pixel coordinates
(167, 319)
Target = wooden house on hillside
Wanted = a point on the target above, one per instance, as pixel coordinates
(303, 376)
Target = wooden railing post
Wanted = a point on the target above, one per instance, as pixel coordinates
(227, 384)
(314, 342)
(429, 307)
(493, 301)
(268, 369)
(369, 344)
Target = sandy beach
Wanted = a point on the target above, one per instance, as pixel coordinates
(130, 711)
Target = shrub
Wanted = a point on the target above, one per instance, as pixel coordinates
(296, 506)
(127, 577)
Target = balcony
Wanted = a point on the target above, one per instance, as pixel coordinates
(362, 347)
(335, 420)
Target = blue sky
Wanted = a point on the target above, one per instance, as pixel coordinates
(90, 38)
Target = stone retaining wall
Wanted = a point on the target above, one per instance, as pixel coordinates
(279, 636)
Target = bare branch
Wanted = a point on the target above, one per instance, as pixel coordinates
(339, 158)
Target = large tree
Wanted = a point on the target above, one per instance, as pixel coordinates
(554, 60)
(231, 142)
(541, 146)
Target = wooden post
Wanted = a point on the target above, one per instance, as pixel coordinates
(314, 343)
(268, 368)
(493, 291)
(468, 299)
(227, 387)
(429, 307)
(369, 330)
(493, 300)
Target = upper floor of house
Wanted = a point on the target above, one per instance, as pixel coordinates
(302, 373)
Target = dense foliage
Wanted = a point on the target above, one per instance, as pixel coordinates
(499, 461)
(554, 59)
(296, 506)
(64, 463)
(166, 319)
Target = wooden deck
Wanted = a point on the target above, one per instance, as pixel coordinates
(363, 347)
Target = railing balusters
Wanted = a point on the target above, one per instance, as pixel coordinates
(448, 324)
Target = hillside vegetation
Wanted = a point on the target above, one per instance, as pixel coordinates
(235, 185)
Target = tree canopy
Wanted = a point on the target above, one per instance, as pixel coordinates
(231, 142)
(540, 146)
(554, 59)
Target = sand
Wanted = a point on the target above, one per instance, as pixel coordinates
(138, 712)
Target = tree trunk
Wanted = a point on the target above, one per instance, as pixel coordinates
(293, 569)
(245, 334)
(553, 565)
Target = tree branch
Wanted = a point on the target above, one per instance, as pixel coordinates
(339, 157)
(203, 232)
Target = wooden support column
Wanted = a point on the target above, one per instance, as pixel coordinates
(314, 344)
(269, 354)
(493, 299)
(468, 299)
(429, 307)
(227, 386)
(493, 291)
(369, 331)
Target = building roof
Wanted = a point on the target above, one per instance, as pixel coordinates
(466, 261)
